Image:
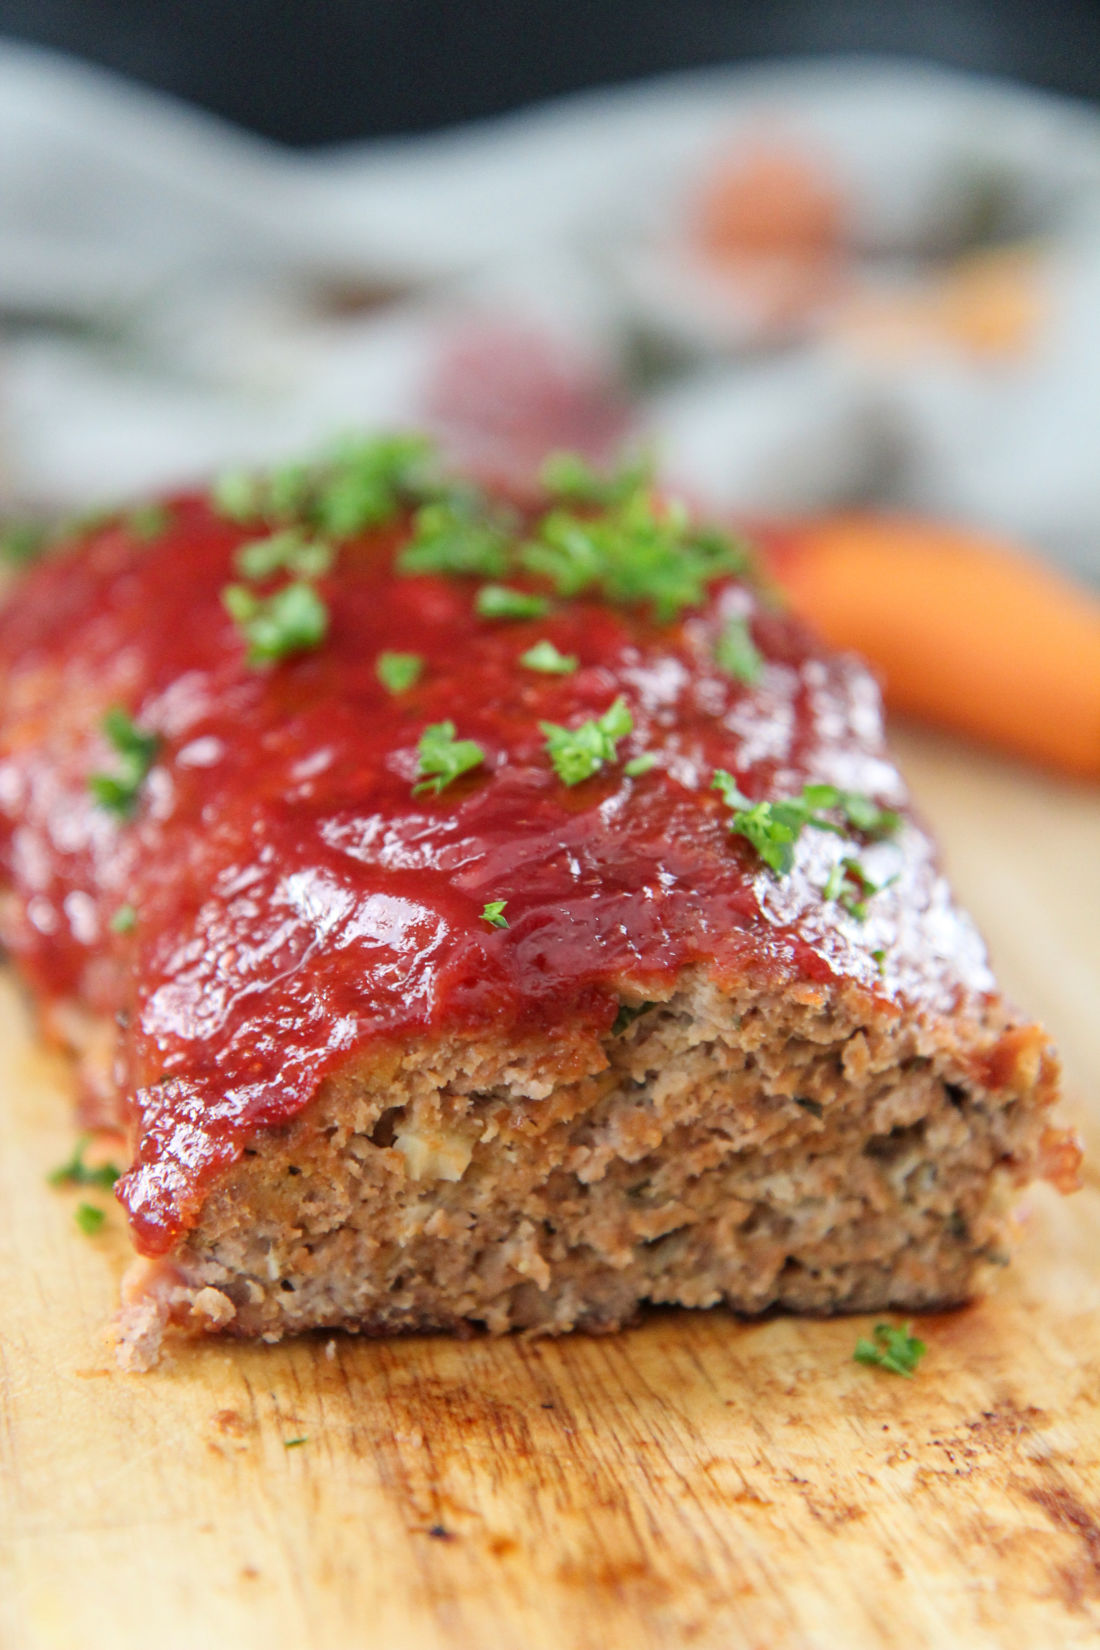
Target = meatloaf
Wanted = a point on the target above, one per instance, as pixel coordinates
(481, 912)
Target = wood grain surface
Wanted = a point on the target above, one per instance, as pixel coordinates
(694, 1481)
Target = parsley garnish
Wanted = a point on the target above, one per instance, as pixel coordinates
(774, 827)
(136, 751)
(78, 1173)
(23, 541)
(544, 657)
(443, 758)
(628, 1013)
(736, 653)
(891, 1348)
(455, 536)
(640, 764)
(493, 913)
(371, 480)
(398, 672)
(499, 601)
(362, 483)
(578, 753)
(570, 477)
(291, 620)
(879, 960)
(148, 521)
(636, 553)
(124, 920)
(90, 1219)
(295, 1443)
(851, 887)
(290, 550)
(238, 496)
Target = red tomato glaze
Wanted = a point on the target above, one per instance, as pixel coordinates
(295, 901)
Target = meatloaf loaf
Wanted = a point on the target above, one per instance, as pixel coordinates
(481, 913)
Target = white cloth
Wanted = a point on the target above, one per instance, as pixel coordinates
(168, 286)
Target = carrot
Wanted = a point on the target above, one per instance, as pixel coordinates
(964, 630)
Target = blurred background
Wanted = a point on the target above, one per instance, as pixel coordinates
(822, 256)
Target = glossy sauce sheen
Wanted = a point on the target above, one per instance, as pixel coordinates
(296, 903)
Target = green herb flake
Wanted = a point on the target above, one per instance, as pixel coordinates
(22, 542)
(136, 750)
(640, 552)
(879, 960)
(443, 758)
(238, 495)
(628, 1013)
(545, 658)
(90, 1219)
(640, 764)
(773, 827)
(295, 1443)
(570, 477)
(148, 522)
(124, 920)
(290, 550)
(493, 913)
(578, 753)
(458, 537)
(891, 1348)
(499, 601)
(398, 672)
(736, 653)
(368, 481)
(78, 1173)
(851, 887)
(291, 620)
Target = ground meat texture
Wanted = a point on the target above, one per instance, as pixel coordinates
(678, 1074)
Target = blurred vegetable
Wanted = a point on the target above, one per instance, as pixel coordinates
(964, 630)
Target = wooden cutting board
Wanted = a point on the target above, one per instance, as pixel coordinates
(694, 1481)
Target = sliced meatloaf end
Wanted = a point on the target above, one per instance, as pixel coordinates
(808, 1148)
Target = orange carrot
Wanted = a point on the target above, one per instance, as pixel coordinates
(964, 630)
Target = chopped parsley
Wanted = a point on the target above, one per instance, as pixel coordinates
(879, 960)
(124, 920)
(493, 913)
(238, 495)
(569, 477)
(499, 601)
(736, 653)
(456, 536)
(398, 672)
(545, 658)
(370, 480)
(362, 483)
(291, 620)
(443, 758)
(295, 1443)
(640, 764)
(90, 1219)
(773, 828)
(637, 553)
(136, 750)
(289, 550)
(578, 753)
(78, 1173)
(148, 522)
(23, 541)
(891, 1348)
(628, 1013)
(851, 887)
